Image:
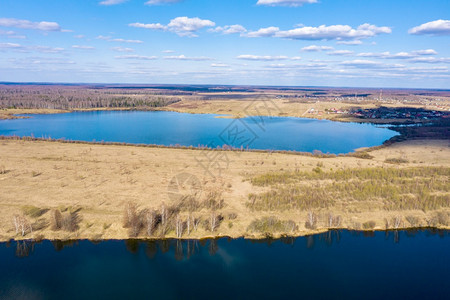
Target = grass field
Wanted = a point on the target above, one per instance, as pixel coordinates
(68, 191)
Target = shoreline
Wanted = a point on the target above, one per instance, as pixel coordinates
(10, 114)
(243, 237)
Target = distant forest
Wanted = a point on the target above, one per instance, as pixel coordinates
(78, 97)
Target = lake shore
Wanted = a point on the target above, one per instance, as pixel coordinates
(320, 110)
(95, 183)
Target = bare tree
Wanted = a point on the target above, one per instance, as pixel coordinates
(56, 219)
(22, 225)
(152, 222)
(179, 226)
(311, 221)
(129, 214)
(164, 215)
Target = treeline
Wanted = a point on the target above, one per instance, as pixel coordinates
(69, 97)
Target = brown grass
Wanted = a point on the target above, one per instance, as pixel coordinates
(96, 181)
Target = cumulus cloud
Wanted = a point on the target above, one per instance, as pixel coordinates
(183, 26)
(158, 2)
(350, 43)
(341, 52)
(10, 46)
(430, 60)
(138, 57)
(229, 29)
(21, 48)
(11, 34)
(262, 58)
(264, 32)
(112, 2)
(425, 52)
(83, 47)
(110, 39)
(122, 49)
(315, 48)
(25, 24)
(360, 63)
(183, 57)
(333, 32)
(219, 65)
(438, 27)
(322, 32)
(399, 55)
(285, 2)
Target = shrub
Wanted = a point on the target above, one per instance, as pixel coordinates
(269, 225)
(413, 220)
(33, 211)
(56, 219)
(369, 225)
(442, 218)
(396, 161)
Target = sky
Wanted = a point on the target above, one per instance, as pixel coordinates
(350, 43)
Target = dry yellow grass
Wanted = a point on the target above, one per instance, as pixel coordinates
(100, 180)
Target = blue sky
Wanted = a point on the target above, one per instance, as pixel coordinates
(355, 43)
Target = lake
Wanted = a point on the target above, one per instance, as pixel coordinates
(334, 265)
(171, 128)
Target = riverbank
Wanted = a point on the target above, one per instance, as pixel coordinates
(91, 186)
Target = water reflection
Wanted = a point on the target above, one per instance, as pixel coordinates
(186, 249)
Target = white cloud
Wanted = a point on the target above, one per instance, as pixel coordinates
(183, 26)
(430, 60)
(112, 2)
(20, 48)
(438, 27)
(350, 43)
(230, 29)
(10, 46)
(168, 51)
(154, 26)
(158, 2)
(341, 52)
(399, 55)
(262, 58)
(122, 49)
(333, 32)
(360, 63)
(25, 24)
(425, 52)
(110, 39)
(139, 57)
(264, 32)
(83, 47)
(219, 65)
(183, 57)
(47, 49)
(11, 34)
(315, 48)
(79, 36)
(322, 32)
(285, 2)
(127, 41)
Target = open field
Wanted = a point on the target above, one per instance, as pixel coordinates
(85, 191)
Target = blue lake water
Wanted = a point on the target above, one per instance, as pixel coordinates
(171, 128)
(334, 265)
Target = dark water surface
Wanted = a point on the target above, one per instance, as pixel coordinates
(170, 128)
(335, 265)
